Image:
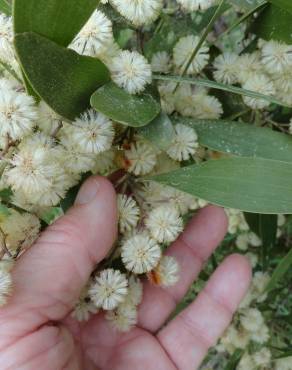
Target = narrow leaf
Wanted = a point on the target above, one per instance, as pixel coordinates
(203, 37)
(241, 139)
(234, 360)
(249, 184)
(282, 268)
(61, 77)
(160, 132)
(58, 20)
(219, 86)
(130, 110)
(244, 17)
(265, 226)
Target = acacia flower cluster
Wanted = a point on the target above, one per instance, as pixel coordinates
(43, 156)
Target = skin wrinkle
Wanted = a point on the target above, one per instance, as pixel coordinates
(25, 333)
(47, 352)
(58, 340)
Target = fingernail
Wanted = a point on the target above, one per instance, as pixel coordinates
(87, 192)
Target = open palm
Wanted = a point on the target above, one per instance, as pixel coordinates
(37, 332)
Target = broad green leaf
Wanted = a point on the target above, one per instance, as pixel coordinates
(5, 7)
(58, 20)
(130, 110)
(241, 139)
(246, 4)
(61, 77)
(160, 132)
(284, 4)
(219, 86)
(274, 23)
(249, 184)
(282, 268)
(265, 226)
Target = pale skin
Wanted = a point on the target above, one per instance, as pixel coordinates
(37, 332)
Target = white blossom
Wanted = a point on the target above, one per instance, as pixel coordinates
(164, 224)
(140, 253)
(17, 114)
(108, 289)
(184, 143)
(95, 36)
(183, 51)
(166, 273)
(138, 11)
(131, 71)
(141, 157)
(128, 213)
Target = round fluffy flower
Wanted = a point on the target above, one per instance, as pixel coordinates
(246, 363)
(139, 12)
(108, 289)
(135, 291)
(104, 162)
(183, 51)
(5, 286)
(92, 133)
(262, 357)
(182, 201)
(141, 158)
(84, 307)
(74, 161)
(260, 84)
(128, 213)
(48, 120)
(184, 143)
(248, 65)
(284, 363)
(167, 97)
(193, 5)
(166, 273)
(262, 335)
(123, 318)
(17, 114)
(20, 229)
(6, 39)
(94, 36)
(131, 71)
(32, 170)
(164, 223)
(251, 319)
(226, 68)
(206, 107)
(140, 253)
(236, 337)
(276, 56)
(160, 62)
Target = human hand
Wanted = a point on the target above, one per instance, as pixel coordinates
(37, 332)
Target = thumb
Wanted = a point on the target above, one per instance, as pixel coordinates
(48, 278)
